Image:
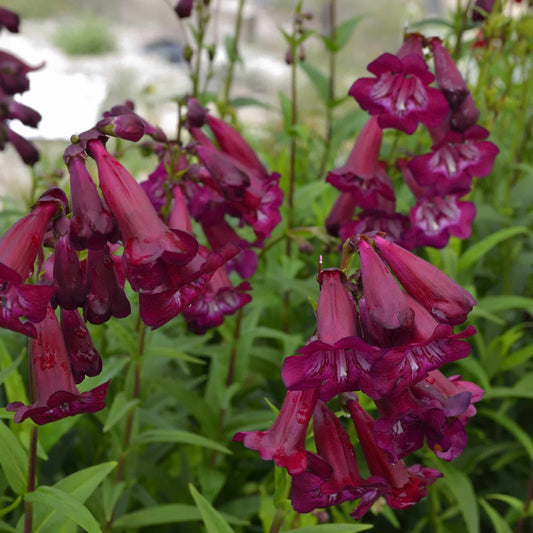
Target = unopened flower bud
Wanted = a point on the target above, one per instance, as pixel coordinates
(127, 127)
(196, 113)
(188, 53)
(289, 57)
(184, 8)
(211, 51)
(301, 54)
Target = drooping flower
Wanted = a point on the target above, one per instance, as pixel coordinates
(91, 224)
(105, 296)
(463, 110)
(153, 254)
(332, 476)
(341, 213)
(406, 486)
(400, 95)
(184, 8)
(284, 442)
(447, 301)
(84, 358)
(9, 20)
(127, 127)
(55, 390)
(363, 175)
(26, 149)
(22, 304)
(336, 358)
(14, 73)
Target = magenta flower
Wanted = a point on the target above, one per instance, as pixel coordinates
(19, 246)
(463, 110)
(446, 300)
(336, 358)
(105, 296)
(127, 109)
(9, 20)
(153, 254)
(405, 486)
(69, 277)
(332, 476)
(55, 390)
(84, 358)
(183, 8)
(14, 73)
(127, 127)
(26, 150)
(388, 319)
(399, 95)
(341, 213)
(284, 442)
(434, 219)
(455, 158)
(364, 175)
(14, 110)
(91, 224)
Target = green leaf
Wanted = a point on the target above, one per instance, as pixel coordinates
(511, 426)
(11, 506)
(179, 436)
(319, 81)
(494, 304)
(462, 490)
(343, 32)
(119, 409)
(12, 367)
(66, 505)
(13, 460)
(500, 525)
(333, 528)
(244, 101)
(213, 520)
(171, 513)
(4, 526)
(173, 353)
(78, 486)
(125, 337)
(482, 247)
(286, 110)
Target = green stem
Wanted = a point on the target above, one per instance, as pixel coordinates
(30, 487)
(234, 55)
(277, 522)
(461, 16)
(527, 504)
(331, 89)
(136, 360)
(200, 35)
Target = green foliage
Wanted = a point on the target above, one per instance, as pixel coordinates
(89, 36)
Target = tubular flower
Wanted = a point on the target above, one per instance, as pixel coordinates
(405, 486)
(19, 247)
(363, 175)
(332, 476)
(105, 296)
(14, 73)
(336, 358)
(55, 389)
(284, 442)
(9, 20)
(154, 255)
(399, 95)
(84, 358)
(455, 158)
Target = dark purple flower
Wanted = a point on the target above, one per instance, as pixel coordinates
(406, 486)
(363, 175)
(463, 111)
(284, 442)
(14, 110)
(127, 108)
(105, 297)
(184, 8)
(341, 213)
(399, 95)
(481, 8)
(434, 219)
(19, 247)
(446, 300)
(69, 277)
(387, 319)
(127, 127)
(395, 226)
(332, 476)
(91, 225)
(196, 113)
(153, 254)
(14, 73)
(9, 20)
(26, 150)
(84, 358)
(55, 390)
(455, 158)
(335, 359)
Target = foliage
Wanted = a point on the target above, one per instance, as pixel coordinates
(180, 470)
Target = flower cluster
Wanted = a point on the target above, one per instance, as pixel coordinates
(385, 332)
(400, 97)
(140, 233)
(14, 80)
